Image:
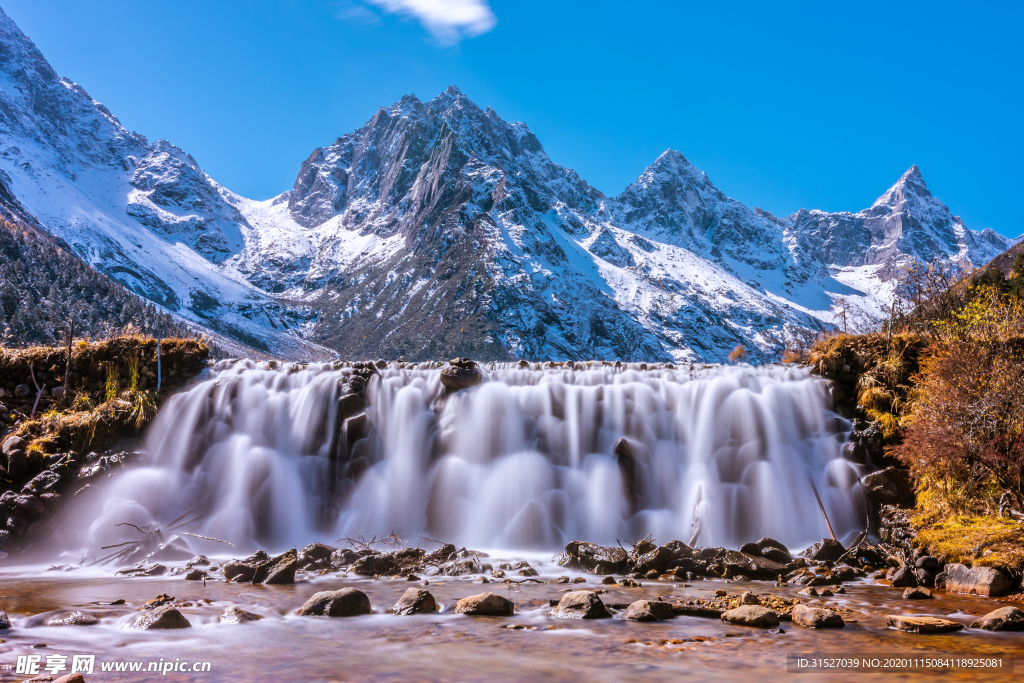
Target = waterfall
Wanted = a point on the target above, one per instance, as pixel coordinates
(532, 457)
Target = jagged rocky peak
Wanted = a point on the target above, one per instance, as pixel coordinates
(909, 190)
(412, 160)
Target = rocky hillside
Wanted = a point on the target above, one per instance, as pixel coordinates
(440, 228)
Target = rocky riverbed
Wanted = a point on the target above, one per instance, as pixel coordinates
(554, 624)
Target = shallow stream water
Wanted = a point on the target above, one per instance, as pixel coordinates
(452, 647)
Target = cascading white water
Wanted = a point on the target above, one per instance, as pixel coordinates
(527, 459)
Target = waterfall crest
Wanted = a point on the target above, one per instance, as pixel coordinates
(532, 457)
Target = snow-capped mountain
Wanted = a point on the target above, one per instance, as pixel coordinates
(439, 228)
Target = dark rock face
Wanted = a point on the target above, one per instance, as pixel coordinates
(236, 569)
(485, 605)
(347, 602)
(457, 378)
(814, 617)
(751, 615)
(890, 486)
(316, 555)
(237, 615)
(277, 570)
(590, 556)
(826, 549)
(415, 601)
(1002, 619)
(657, 560)
(904, 577)
(374, 565)
(581, 605)
(649, 610)
(166, 617)
(5, 621)
(76, 618)
(977, 580)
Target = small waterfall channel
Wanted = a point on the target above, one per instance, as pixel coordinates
(532, 457)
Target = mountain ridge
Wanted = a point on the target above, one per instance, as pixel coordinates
(440, 228)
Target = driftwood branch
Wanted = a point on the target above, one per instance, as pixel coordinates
(821, 507)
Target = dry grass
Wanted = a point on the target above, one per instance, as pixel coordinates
(970, 539)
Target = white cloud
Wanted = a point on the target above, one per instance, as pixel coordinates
(448, 20)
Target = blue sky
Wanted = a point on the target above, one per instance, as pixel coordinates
(816, 105)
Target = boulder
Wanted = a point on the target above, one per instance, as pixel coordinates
(196, 575)
(237, 615)
(890, 486)
(679, 549)
(166, 617)
(343, 558)
(277, 570)
(977, 580)
(590, 556)
(47, 480)
(374, 565)
(75, 618)
(765, 543)
(922, 624)
(825, 550)
(656, 560)
(776, 555)
(917, 594)
(581, 605)
(242, 569)
(415, 601)
(751, 615)
(13, 443)
(750, 549)
(854, 452)
(198, 560)
(1002, 619)
(929, 562)
(649, 610)
(5, 621)
(347, 602)
(459, 377)
(316, 555)
(351, 404)
(816, 617)
(904, 577)
(485, 605)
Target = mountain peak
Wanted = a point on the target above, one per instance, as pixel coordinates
(909, 187)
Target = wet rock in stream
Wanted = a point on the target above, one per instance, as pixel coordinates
(166, 617)
(923, 625)
(347, 602)
(816, 617)
(74, 618)
(581, 605)
(649, 610)
(237, 615)
(485, 605)
(1002, 619)
(751, 615)
(415, 601)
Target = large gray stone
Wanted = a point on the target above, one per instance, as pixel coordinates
(649, 610)
(827, 549)
(1002, 619)
(977, 580)
(75, 618)
(415, 601)
(347, 602)
(237, 615)
(277, 570)
(581, 605)
(816, 617)
(751, 615)
(166, 617)
(485, 605)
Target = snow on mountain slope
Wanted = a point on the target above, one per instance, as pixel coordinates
(144, 214)
(439, 229)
